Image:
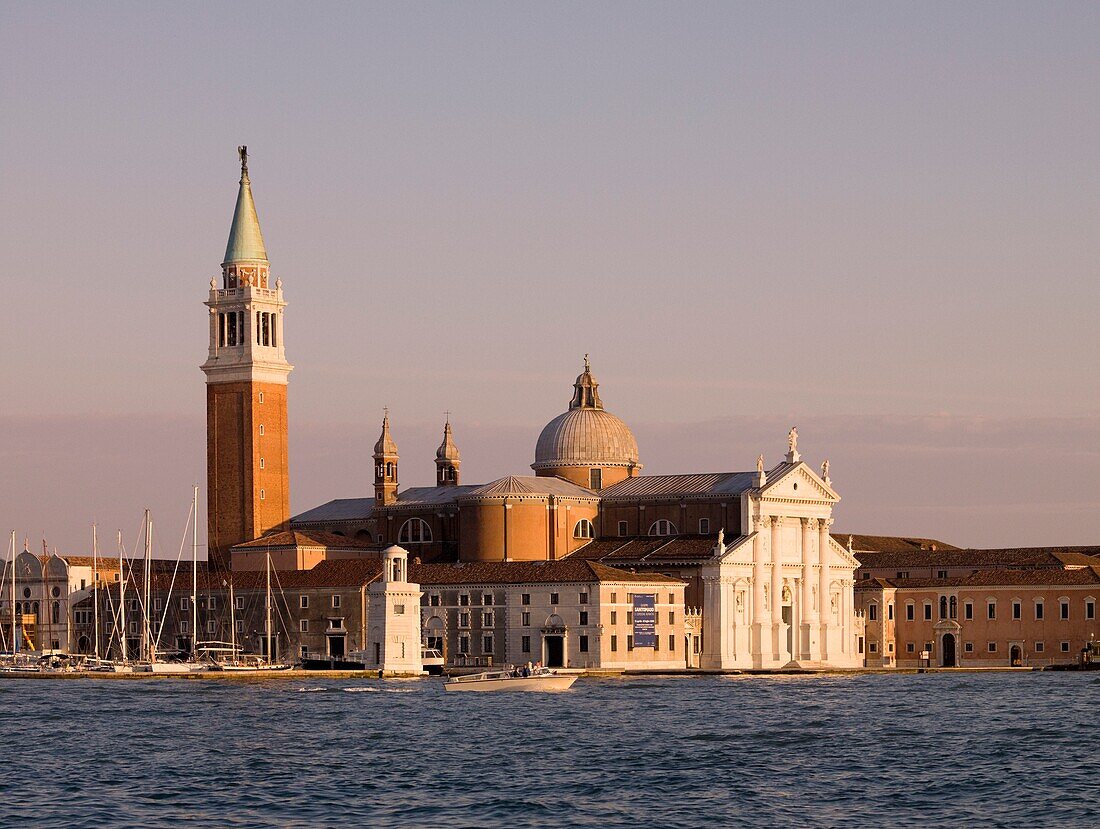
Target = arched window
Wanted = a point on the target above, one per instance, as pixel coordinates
(953, 605)
(662, 527)
(943, 607)
(584, 529)
(415, 531)
(389, 470)
(56, 613)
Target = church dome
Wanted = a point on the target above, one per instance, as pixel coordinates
(587, 434)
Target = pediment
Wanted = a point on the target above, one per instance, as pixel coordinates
(799, 482)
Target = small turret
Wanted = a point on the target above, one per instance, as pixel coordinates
(385, 466)
(447, 459)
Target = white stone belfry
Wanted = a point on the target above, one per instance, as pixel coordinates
(393, 618)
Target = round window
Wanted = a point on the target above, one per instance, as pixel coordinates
(26, 592)
(56, 592)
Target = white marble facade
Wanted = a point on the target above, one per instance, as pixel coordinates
(780, 595)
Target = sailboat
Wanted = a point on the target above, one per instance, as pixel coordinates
(253, 662)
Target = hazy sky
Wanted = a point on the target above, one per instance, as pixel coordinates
(878, 221)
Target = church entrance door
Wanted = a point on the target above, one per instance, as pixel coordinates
(336, 646)
(555, 651)
(948, 650)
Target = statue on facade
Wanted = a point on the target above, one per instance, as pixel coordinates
(792, 439)
(825, 469)
(760, 464)
(721, 538)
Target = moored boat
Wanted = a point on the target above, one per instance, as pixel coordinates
(539, 679)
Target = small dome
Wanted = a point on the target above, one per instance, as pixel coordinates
(447, 450)
(385, 444)
(586, 435)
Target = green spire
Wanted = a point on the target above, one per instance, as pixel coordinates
(246, 243)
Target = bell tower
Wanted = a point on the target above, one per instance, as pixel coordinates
(248, 488)
(385, 466)
(447, 458)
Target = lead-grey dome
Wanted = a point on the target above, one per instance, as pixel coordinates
(586, 435)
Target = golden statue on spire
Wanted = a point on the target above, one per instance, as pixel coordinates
(242, 151)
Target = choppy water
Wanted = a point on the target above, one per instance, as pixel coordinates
(869, 750)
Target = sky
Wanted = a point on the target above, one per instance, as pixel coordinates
(875, 221)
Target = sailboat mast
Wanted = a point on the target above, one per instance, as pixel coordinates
(95, 588)
(14, 635)
(267, 622)
(122, 577)
(195, 576)
(148, 634)
(232, 622)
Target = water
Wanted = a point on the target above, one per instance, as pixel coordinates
(864, 750)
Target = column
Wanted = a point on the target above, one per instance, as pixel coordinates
(776, 592)
(759, 619)
(805, 599)
(824, 555)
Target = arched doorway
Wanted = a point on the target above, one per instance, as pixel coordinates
(1015, 656)
(947, 648)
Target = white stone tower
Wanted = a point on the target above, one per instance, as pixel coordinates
(393, 618)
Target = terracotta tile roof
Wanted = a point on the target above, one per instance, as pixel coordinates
(890, 543)
(997, 578)
(568, 570)
(306, 538)
(105, 562)
(532, 485)
(347, 573)
(427, 496)
(1034, 557)
(650, 549)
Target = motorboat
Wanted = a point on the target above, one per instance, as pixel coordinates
(250, 663)
(432, 660)
(538, 679)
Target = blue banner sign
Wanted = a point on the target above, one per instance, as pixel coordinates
(645, 621)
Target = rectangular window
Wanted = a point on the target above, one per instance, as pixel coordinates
(335, 601)
(656, 644)
(1017, 610)
(968, 611)
(464, 600)
(583, 598)
(464, 643)
(910, 612)
(890, 611)
(303, 602)
(487, 644)
(261, 397)
(704, 526)
(433, 600)
(872, 647)
(240, 602)
(487, 599)
(872, 612)
(630, 617)
(991, 610)
(969, 647)
(211, 626)
(595, 478)
(525, 644)
(464, 619)
(622, 528)
(927, 612)
(614, 617)
(910, 647)
(584, 617)
(303, 625)
(1039, 647)
(889, 647)
(525, 619)
(583, 644)
(487, 619)
(672, 598)
(525, 598)
(672, 617)
(672, 642)
(399, 610)
(213, 602)
(1063, 610)
(1090, 610)
(629, 642)
(1039, 610)
(614, 643)
(941, 574)
(1065, 647)
(614, 598)
(183, 604)
(553, 598)
(991, 647)
(240, 626)
(262, 464)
